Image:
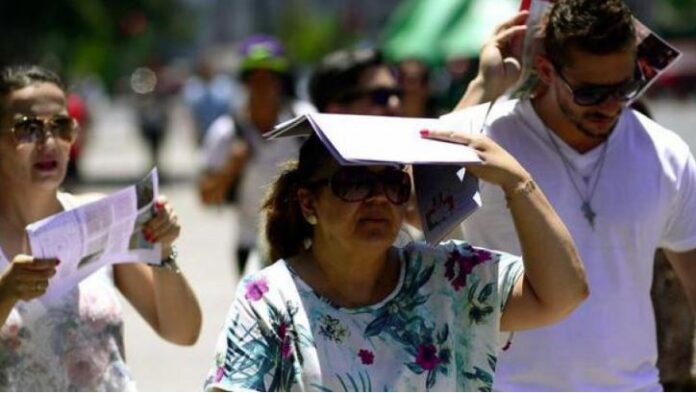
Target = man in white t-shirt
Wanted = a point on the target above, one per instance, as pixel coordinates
(622, 184)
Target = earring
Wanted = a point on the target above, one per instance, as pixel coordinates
(312, 219)
(307, 243)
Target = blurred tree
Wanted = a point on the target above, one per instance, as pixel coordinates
(434, 31)
(676, 17)
(310, 32)
(78, 37)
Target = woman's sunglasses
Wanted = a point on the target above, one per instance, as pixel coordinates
(589, 95)
(29, 129)
(356, 184)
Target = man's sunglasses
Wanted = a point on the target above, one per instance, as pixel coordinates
(29, 129)
(380, 96)
(589, 95)
(356, 184)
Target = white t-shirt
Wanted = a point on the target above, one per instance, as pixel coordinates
(644, 199)
(263, 166)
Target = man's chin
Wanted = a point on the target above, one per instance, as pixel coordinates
(598, 129)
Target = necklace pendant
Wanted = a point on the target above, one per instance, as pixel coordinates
(588, 213)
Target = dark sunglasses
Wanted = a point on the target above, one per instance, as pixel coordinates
(356, 184)
(29, 129)
(589, 95)
(378, 96)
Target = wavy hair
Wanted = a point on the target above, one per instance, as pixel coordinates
(284, 225)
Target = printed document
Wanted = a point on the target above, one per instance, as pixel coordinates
(100, 233)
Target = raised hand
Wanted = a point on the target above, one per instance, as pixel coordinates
(164, 227)
(500, 62)
(497, 165)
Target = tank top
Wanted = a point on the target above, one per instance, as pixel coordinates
(72, 343)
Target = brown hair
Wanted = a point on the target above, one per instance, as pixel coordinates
(594, 26)
(285, 227)
(20, 76)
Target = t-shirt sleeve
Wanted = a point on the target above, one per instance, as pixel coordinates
(680, 232)
(216, 144)
(248, 344)
(491, 269)
(510, 269)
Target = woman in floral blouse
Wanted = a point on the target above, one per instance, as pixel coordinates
(342, 309)
(74, 342)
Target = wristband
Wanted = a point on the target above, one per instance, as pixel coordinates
(169, 263)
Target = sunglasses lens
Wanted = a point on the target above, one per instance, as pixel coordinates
(591, 95)
(352, 184)
(31, 129)
(64, 128)
(28, 130)
(397, 186)
(356, 184)
(596, 95)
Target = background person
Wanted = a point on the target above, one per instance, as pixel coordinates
(622, 183)
(342, 309)
(355, 81)
(238, 162)
(208, 95)
(76, 341)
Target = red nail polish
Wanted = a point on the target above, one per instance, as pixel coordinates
(424, 132)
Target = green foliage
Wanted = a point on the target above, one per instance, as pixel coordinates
(77, 37)
(676, 17)
(309, 33)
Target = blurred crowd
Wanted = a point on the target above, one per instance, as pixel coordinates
(230, 106)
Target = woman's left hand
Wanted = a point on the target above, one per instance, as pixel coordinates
(497, 165)
(164, 227)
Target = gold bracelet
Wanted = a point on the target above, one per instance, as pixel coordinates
(525, 188)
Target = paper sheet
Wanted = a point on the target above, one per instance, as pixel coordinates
(96, 234)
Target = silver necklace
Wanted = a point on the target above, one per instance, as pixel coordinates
(586, 206)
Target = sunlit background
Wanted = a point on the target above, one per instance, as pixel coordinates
(116, 54)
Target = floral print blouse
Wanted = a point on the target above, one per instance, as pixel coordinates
(437, 331)
(74, 343)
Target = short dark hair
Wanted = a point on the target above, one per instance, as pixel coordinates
(20, 76)
(340, 72)
(594, 26)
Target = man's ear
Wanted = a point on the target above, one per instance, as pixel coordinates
(544, 68)
(305, 199)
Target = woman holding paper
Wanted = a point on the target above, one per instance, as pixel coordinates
(76, 341)
(343, 309)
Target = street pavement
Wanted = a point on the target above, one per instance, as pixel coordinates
(115, 156)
